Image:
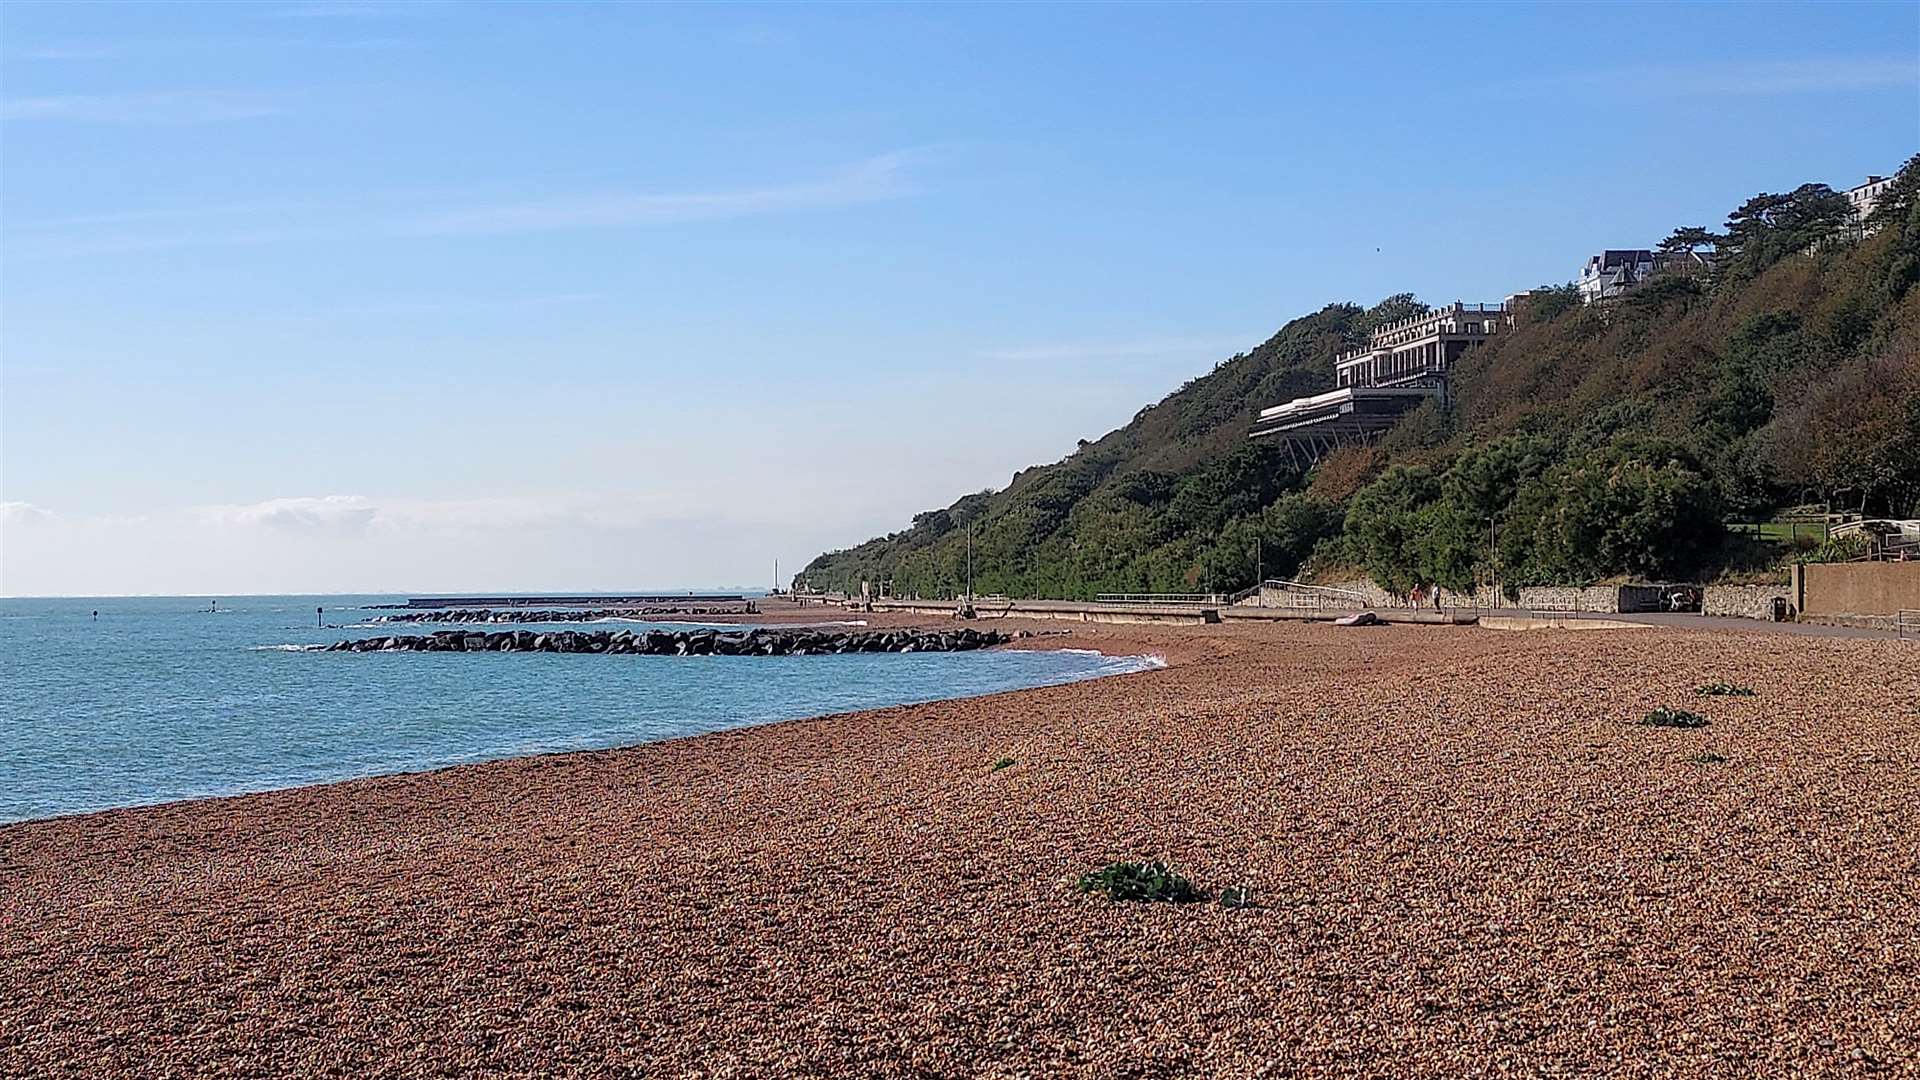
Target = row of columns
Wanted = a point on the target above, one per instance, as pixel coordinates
(1428, 357)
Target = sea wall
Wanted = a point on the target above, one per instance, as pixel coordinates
(687, 642)
(1768, 602)
(1069, 610)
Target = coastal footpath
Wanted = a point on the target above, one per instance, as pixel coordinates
(1453, 851)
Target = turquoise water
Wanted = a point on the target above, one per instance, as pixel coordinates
(159, 699)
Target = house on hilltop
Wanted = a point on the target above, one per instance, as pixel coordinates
(1614, 272)
(1864, 197)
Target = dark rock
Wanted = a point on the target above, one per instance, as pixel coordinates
(753, 642)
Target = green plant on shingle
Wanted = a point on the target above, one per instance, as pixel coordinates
(1144, 881)
(1709, 758)
(1724, 689)
(1003, 763)
(1673, 718)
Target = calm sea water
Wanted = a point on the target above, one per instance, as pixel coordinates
(159, 699)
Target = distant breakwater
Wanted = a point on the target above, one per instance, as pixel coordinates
(756, 642)
(516, 615)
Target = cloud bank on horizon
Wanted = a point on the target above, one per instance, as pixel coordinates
(358, 544)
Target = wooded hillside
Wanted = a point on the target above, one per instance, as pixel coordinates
(1593, 441)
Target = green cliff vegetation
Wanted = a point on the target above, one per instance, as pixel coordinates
(1590, 442)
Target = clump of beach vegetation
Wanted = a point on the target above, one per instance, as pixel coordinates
(1003, 763)
(1724, 689)
(1139, 881)
(1673, 718)
(1237, 896)
(1710, 758)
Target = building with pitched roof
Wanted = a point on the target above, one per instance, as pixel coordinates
(1614, 272)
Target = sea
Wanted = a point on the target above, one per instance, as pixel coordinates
(111, 702)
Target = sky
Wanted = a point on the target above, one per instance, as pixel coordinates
(343, 297)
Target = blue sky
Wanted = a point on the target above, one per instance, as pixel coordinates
(353, 296)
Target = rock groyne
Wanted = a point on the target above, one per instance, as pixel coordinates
(757, 642)
(516, 615)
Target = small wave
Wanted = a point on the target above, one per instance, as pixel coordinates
(1126, 663)
(285, 648)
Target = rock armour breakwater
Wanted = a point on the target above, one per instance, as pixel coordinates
(490, 615)
(687, 643)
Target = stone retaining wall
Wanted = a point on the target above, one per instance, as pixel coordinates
(1766, 602)
(1570, 598)
(1381, 598)
(1605, 598)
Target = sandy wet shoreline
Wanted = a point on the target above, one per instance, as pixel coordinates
(1463, 851)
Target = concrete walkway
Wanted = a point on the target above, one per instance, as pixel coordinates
(1715, 622)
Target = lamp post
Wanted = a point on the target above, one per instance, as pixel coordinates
(966, 604)
(1493, 556)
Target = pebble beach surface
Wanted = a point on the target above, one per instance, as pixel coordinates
(1465, 856)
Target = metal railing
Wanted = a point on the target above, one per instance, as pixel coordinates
(1907, 622)
(1294, 594)
(1161, 598)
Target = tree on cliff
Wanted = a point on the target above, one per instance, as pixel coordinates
(1770, 227)
(1688, 239)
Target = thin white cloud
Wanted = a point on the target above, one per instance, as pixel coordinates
(125, 243)
(21, 513)
(67, 52)
(1793, 76)
(524, 302)
(320, 515)
(870, 180)
(325, 513)
(1813, 75)
(1145, 349)
(169, 214)
(174, 48)
(351, 543)
(245, 224)
(174, 107)
(363, 9)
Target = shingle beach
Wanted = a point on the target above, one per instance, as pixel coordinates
(1465, 856)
